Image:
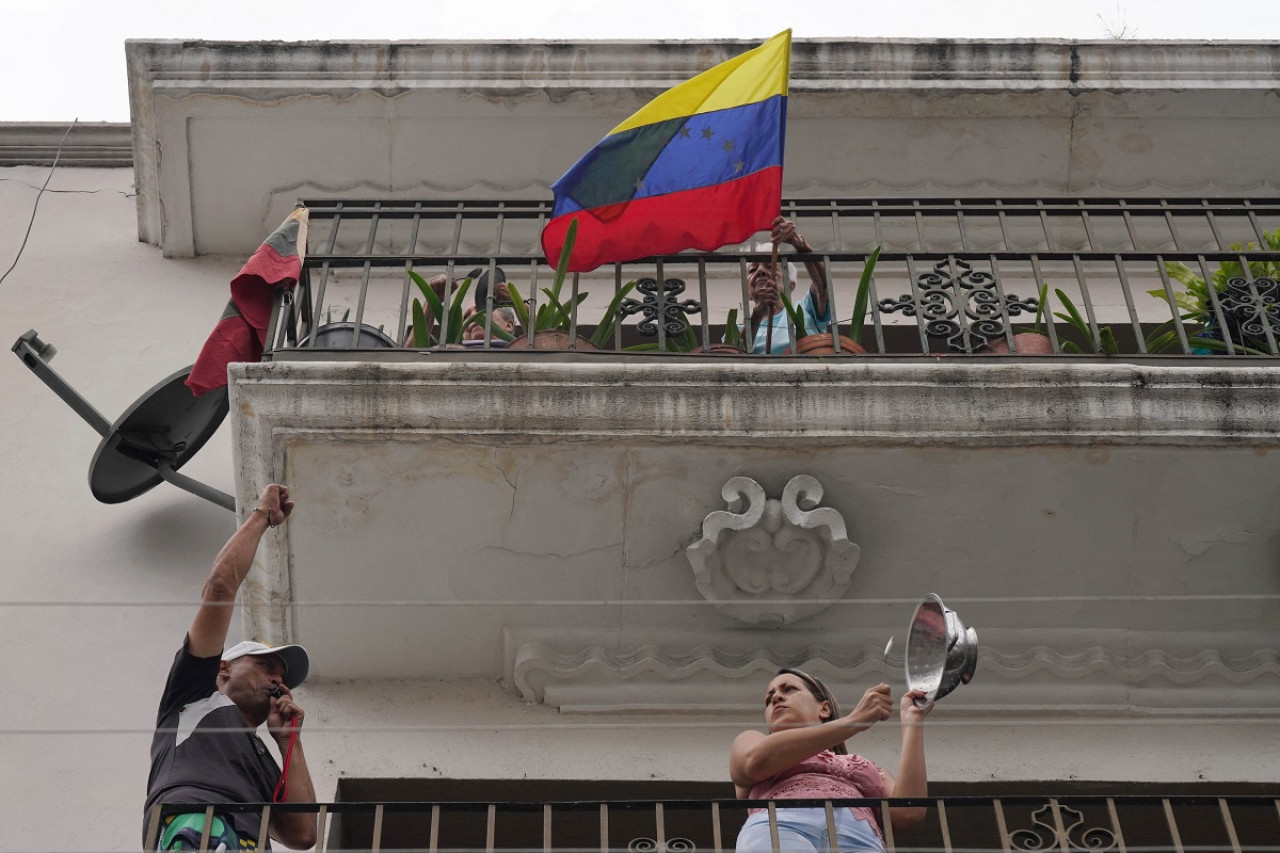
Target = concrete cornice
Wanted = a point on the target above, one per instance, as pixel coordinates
(1091, 672)
(817, 65)
(102, 144)
(863, 401)
(867, 118)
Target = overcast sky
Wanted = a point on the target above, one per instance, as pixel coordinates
(64, 59)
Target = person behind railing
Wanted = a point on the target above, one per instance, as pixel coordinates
(205, 748)
(803, 756)
(504, 317)
(764, 284)
(476, 302)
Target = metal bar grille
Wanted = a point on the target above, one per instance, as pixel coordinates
(322, 823)
(1113, 257)
(1105, 824)
(208, 827)
(377, 828)
(265, 822)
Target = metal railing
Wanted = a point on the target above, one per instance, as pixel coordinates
(962, 276)
(1232, 824)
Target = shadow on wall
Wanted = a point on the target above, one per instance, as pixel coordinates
(179, 530)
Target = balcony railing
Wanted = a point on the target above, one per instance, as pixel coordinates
(955, 276)
(1231, 824)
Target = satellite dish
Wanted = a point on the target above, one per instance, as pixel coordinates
(341, 336)
(147, 445)
(158, 434)
(941, 654)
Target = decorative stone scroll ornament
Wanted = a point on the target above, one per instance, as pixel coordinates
(770, 561)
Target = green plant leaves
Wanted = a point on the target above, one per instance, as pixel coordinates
(1106, 342)
(421, 329)
(519, 306)
(421, 339)
(796, 314)
(609, 322)
(1194, 303)
(732, 333)
(862, 296)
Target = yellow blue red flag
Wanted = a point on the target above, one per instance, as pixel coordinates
(698, 167)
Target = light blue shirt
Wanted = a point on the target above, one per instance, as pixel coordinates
(813, 325)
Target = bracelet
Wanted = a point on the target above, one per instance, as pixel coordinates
(266, 514)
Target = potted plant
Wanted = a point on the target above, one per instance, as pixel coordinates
(1106, 342)
(686, 341)
(732, 343)
(1027, 341)
(549, 327)
(1194, 304)
(457, 324)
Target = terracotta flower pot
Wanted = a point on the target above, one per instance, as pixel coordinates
(553, 339)
(719, 349)
(821, 345)
(1027, 343)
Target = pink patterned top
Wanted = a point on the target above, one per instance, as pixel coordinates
(828, 776)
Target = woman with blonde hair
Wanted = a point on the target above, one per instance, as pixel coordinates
(803, 756)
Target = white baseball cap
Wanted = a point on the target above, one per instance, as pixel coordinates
(296, 662)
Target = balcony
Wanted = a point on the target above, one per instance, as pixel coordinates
(533, 517)
(1067, 821)
(1117, 277)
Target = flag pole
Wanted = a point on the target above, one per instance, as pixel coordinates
(768, 330)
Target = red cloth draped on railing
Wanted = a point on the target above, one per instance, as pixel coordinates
(241, 334)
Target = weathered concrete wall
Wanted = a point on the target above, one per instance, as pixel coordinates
(96, 598)
(1019, 486)
(220, 124)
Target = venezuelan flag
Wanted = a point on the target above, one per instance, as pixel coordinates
(698, 167)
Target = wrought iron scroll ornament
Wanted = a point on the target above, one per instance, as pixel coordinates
(1052, 830)
(945, 294)
(1246, 314)
(660, 302)
(651, 845)
(772, 561)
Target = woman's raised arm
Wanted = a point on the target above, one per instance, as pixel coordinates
(911, 780)
(755, 757)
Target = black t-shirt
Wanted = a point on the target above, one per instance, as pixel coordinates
(201, 751)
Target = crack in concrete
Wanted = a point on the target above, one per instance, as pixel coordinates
(511, 510)
(1071, 127)
(887, 487)
(564, 556)
(627, 564)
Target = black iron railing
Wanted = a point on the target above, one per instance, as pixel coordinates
(962, 276)
(1153, 824)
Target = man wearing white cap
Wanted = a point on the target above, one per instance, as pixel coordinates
(206, 748)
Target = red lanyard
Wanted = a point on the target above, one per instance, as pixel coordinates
(281, 792)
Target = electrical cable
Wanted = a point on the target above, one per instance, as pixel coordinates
(658, 602)
(1045, 719)
(56, 155)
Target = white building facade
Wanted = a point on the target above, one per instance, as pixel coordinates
(490, 559)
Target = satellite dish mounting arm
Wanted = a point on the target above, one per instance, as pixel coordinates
(149, 442)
